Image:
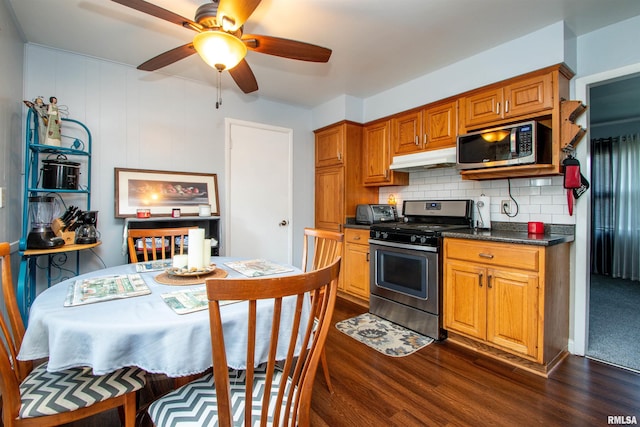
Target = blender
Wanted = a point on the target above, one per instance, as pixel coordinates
(42, 210)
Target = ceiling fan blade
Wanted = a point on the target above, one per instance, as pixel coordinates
(168, 57)
(158, 12)
(286, 48)
(244, 78)
(236, 11)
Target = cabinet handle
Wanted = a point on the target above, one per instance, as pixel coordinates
(483, 255)
(480, 279)
(417, 140)
(497, 108)
(356, 237)
(489, 281)
(386, 173)
(340, 156)
(506, 106)
(367, 256)
(426, 138)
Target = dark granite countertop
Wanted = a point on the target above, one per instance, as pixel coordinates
(351, 223)
(517, 233)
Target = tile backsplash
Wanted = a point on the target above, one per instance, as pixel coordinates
(538, 199)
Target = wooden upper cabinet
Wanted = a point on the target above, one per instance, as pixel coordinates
(529, 96)
(330, 146)
(441, 125)
(376, 156)
(483, 107)
(407, 133)
(521, 97)
(430, 128)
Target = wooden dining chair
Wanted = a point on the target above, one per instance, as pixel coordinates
(31, 396)
(269, 392)
(156, 241)
(321, 248)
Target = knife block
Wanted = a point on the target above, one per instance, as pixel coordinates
(57, 226)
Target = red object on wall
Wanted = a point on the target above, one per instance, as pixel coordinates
(571, 179)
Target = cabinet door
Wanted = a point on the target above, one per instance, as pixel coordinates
(512, 310)
(528, 96)
(376, 157)
(329, 201)
(330, 146)
(356, 270)
(465, 298)
(377, 153)
(440, 124)
(484, 107)
(407, 133)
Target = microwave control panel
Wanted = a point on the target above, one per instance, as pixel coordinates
(525, 141)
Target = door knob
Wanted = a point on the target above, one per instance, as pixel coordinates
(283, 223)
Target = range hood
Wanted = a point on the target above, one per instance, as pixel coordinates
(445, 157)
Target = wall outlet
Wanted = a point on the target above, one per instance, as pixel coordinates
(505, 207)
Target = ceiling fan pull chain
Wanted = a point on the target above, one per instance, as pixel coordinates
(219, 90)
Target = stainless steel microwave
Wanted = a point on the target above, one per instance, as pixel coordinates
(517, 144)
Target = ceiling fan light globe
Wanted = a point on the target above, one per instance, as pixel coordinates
(218, 48)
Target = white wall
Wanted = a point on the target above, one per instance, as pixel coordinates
(150, 121)
(11, 106)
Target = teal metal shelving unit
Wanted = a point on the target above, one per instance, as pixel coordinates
(77, 146)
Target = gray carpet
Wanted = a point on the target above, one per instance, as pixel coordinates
(614, 321)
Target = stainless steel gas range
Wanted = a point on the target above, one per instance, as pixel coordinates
(406, 264)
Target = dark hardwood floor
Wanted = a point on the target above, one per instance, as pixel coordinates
(444, 384)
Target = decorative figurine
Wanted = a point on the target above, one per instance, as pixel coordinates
(41, 119)
(53, 128)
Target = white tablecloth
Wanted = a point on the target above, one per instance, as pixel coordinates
(140, 331)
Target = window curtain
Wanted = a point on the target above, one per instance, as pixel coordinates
(615, 183)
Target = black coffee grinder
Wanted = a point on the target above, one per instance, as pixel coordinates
(86, 232)
(42, 210)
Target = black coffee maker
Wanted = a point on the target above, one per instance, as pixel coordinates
(86, 232)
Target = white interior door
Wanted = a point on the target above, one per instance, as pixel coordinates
(259, 191)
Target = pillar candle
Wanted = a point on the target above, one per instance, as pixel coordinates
(206, 252)
(196, 243)
(180, 261)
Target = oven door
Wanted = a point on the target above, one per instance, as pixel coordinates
(407, 274)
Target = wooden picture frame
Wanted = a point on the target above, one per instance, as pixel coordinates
(163, 191)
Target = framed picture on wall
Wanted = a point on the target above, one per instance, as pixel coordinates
(162, 191)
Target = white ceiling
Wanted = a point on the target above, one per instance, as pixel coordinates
(376, 44)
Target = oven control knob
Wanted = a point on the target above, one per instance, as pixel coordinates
(385, 235)
(413, 238)
(423, 239)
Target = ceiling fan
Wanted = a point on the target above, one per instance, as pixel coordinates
(220, 40)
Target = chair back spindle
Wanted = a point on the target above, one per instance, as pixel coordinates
(156, 242)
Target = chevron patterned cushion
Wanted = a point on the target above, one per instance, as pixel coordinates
(195, 404)
(46, 393)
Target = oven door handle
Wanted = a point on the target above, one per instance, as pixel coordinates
(403, 246)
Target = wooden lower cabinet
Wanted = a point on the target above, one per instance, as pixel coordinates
(508, 300)
(355, 277)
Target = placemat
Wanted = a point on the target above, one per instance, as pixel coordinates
(166, 279)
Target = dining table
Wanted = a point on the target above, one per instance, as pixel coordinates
(145, 331)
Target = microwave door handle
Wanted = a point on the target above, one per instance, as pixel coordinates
(514, 134)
